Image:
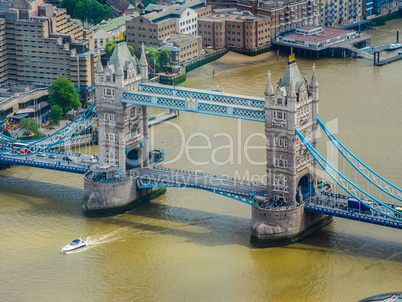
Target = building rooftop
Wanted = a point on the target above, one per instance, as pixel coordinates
(113, 23)
(233, 16)
(325, 34)
(179, 39)
(121, 56)
(156, 12)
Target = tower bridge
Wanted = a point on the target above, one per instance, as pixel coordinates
(291, 205)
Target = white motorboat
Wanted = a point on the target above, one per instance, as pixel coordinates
(74, 245)
(394, 46)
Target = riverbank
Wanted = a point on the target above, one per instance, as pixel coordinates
(230, 60)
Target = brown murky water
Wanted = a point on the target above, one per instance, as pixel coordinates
(192, 245)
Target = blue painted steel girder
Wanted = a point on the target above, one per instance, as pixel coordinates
(44, 165)
(145, 183)
(203, 95)
(353, 216)
(194, 105)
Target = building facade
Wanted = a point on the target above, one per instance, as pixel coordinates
(183, 47)
(284, 15)
(41, 44)
(236, 29)
(337, 13)
(157, 22)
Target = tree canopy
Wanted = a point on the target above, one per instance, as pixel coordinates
(157, 58)
(30, 125)
(56, 113)
(87, 10)
(110, 45)
(63, 94)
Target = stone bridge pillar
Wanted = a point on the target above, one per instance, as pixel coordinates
(123, 135)
(290, 169)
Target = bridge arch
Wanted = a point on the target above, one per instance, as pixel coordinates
(305, 186)
(133, 158)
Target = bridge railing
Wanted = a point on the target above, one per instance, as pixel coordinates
(256, 184)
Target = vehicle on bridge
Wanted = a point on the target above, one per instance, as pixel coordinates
(53, 156)
(355, 204)
(399, 209)
(20, 148)
(67, 158)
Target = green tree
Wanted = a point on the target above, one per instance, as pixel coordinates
(81, 9)
(164, 57)
(110, 45)
(63, 94)
(30, 125)
(87, 10)
(7, 133)
(69, 5)
(56, 113)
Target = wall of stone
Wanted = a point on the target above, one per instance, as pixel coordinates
(276, 227)
(101, 195)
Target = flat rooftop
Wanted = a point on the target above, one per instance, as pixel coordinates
(231, 17)
(325, 34)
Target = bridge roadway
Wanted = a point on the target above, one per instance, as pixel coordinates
(238, 189)
(48, 159)
(241, 190)
(337, 205)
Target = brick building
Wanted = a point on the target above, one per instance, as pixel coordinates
(158, 22)
(285, 15)
(236, 29)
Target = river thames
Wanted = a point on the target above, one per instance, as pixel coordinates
(191, 245)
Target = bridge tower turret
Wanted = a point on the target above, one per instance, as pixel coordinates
(123, 132)
(290, 170)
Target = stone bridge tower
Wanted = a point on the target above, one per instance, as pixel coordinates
(123, 136)
(123, 128)
(290, 169)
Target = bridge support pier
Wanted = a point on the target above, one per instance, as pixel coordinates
(107, 198)
(278, 227)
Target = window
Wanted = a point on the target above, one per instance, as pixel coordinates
(279, 115)
(133, 112)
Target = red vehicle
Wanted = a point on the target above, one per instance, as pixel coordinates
(22, 148)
